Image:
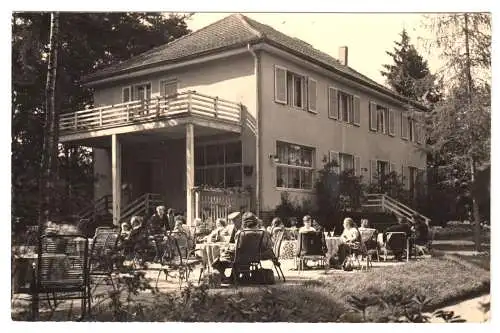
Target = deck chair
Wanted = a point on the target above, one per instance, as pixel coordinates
(175, 258)
(188, 253)
(366, 236)
(247, 256)
(277, 241)
(62, 270)
(102, 256)
(394, 242)
(310, 248)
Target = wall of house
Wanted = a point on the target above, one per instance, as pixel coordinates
(102, 172)
(285, 123)
(231, 79)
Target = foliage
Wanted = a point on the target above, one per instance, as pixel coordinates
(88, 41)
(336, 193)
(391, 184)
(459, 127)
(410, 76)
(290, 210)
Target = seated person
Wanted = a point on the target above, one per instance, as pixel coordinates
(307, 225)
(372, 242)
(403, 226)
(421, 231)
(180, 227)
(250, 222)
(351, 238)
(158, 223)
(276, 226)
(134, 235)
(234, 224)
(317, 226)
(218, 234)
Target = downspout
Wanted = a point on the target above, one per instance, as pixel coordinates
(257, 130)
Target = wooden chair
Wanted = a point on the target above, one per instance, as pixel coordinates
(367, 235)
(62, 270)
(277, 241)
(311, 247)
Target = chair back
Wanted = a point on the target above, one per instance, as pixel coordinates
(366, 234)
(104, 245)
(62, 262)
(183, 242)
(310, 243)
(395, 241)
(172, 253)
(248, 247)
(277, 238)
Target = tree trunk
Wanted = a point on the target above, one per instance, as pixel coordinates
(51, 131)
(475, 206)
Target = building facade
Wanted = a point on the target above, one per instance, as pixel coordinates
(239, 106)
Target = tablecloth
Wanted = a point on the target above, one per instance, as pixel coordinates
(288, 249)
(332, 244)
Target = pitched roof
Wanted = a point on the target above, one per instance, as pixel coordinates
(231, 32)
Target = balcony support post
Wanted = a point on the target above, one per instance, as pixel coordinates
(116, 175)
(189, 173)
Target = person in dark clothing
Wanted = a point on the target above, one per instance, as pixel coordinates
(158, 223)
(421, 231)
(170, 219)
(403, 226)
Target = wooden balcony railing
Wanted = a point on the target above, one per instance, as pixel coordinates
(188, 103)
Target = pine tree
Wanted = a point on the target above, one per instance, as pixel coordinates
(409, 75)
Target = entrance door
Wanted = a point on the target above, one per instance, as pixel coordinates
(149, 177)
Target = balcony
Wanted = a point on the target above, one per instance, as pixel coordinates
(156, 112)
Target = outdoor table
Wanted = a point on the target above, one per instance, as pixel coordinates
(211, 251)
(332, 244)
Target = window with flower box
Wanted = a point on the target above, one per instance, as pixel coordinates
(295, 165)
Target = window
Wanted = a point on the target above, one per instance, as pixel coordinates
(345, 107)
(294, 168)
(411, 130)
(346, 162)
(168, 87)
(126, 95)
(218, 165)
(293, 89)
(381, 120)
(379, 170)
(142, 92)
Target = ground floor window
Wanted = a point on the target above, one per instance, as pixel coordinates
(218, 164)
(295, 166)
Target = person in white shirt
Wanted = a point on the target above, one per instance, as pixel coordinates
(307, 225)
(351, 238)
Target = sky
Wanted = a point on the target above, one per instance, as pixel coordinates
(367, 35)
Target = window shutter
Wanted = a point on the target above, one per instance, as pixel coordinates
(405, 177)
(333, 105)
(373, 116)
(404, 126)
(334, 156)
(311, 94)
(357, 166)
(373, 171)
(126, 95)
(420, 133)
(280, 91)
(357, 116)
(392, 167)
(392, 116)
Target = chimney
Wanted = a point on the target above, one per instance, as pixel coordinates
(343, 52)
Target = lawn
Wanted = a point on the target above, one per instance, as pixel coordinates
(442, 280)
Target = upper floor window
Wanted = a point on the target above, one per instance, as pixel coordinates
(382, 119)
(136, 92)
(294, 89)
(168, 87)
(343, 106)
(294, 168)
(412, 129)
